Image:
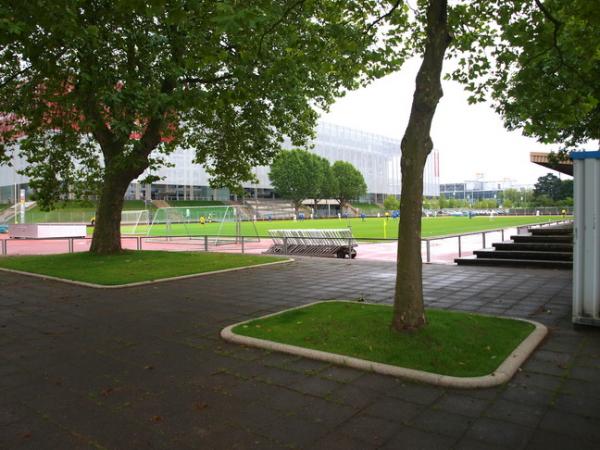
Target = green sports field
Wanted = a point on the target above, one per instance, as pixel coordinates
(370, 228)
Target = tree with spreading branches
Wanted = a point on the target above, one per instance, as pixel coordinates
(537, 62)
(97, 93)
(105, 88)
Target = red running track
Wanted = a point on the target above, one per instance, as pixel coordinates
(441, 250)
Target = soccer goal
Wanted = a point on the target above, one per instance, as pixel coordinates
(135, 222)
(223, 224)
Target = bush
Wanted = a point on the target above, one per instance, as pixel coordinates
(391, 203)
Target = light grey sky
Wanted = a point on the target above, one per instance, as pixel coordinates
(471, 139)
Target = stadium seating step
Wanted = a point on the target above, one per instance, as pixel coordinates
(562, 238)
(524, 254)
(558, 230)
(550, 247)
(529, 263)
(534, 246)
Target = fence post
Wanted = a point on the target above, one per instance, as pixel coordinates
(483, 238)
(427, 244)
(205, 243)
(459, 247)
(285, 246)
(502, 234)
(139, 243)
(4, 250)
(242, 243)
(70, 245)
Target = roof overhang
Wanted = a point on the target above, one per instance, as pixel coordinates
(543, 159)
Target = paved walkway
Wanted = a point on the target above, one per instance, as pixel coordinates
(144, 367)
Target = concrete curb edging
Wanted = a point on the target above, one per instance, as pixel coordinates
(141, 283)
(501, 375)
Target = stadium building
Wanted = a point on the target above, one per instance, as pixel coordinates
(480, 189)
(376, 157)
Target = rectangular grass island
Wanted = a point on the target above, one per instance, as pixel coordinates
(454, 349)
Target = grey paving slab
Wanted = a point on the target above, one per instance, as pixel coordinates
(144, 367)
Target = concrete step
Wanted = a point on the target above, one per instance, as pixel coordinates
(534, 246)
(525, 254)
(541, 238)
(526, 263)
(554, 231)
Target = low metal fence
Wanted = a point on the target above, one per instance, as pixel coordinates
(448, 247)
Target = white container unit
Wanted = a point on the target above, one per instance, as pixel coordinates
(47, 230)
(586, 234)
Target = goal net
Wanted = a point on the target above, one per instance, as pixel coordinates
(222, 224)
(135, 222)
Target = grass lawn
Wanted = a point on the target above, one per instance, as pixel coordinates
(453, 343)
(368, 229)
(129, 266)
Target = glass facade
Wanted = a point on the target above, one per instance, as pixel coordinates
(376, 157)
(473, 191)
(11, 182)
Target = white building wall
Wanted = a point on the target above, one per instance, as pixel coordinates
(586, 248)
(376, 157)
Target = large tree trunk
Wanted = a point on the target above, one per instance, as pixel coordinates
(107, 229)
(409, 313)
(119, 172)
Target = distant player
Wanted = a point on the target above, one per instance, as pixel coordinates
(202, 220)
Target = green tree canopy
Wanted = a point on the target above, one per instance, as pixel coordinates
(543, 72)
(443, 201)
(552, 188)
(350, 182)
(391, 203)
(293, 175)
(566, 190)
(511, 195)
(325, 184)
(103, 90)
(431, 203)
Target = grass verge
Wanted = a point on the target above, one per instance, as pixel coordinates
(130, 266)
(454, 343)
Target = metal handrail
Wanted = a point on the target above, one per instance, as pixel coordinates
(495, 230)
